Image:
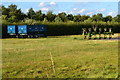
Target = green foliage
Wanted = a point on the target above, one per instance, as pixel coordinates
(77, 18)
(70, 17)
(12, 13)
(63, 16)
(100, 30)
(15, 13)
(88, 20)
(45, 20)
(58, 19)
(31, 13)
(97, 17)
(38, 15)
(3, 17)
(12, 19)
(108, 18)
(50, 16)
(117, 18)
(29, 21)
(84, 17)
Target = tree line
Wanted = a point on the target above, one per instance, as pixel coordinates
(12, 14)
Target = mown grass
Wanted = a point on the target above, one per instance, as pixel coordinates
(73, 58)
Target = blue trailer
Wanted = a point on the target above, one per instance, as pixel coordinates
(36, 30)
(31, 30)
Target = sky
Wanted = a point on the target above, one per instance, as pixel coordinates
(83, 8)
(60, 0)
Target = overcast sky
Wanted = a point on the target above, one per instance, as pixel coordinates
(83, 8)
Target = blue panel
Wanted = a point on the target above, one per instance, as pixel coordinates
(22, 29)
(43, 28)
(11, 29)
(36, 28)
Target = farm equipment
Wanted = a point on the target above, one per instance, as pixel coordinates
(30, 31)
(12, 30)
(89, 32)
(22, 30)
(84, 32)
(36, 31)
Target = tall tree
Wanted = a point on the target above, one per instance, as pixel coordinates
(70, 17)
(83, 18)
(12, 10)
(77, 18)
(58, 19)
(45, 20)
(31, 13)
(117, 18)
(63, 16)
(50, 16)
(38, 15)
(107, 18)
(5, 11)
(88, 20)
(13, 13)
(97, 17)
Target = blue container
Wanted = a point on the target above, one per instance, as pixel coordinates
(11, 29)
(22, 29)
(42, 28)
(36, 28)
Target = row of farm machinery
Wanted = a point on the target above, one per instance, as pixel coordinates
(28, 31)
(35, 31)
(97, 33)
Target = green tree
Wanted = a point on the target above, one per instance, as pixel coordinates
(3, 17)
(63, 16)
(107, 18)
(113, 20)
(77, 18)
(97, 17)
(117, 18)
(70, 17)
(12, 10)
(50, 16)
(29, 21)
(88, 20)
(31, 13)
(45, 20)
(83, 18)
(13, 13)
(38, 15)
(5, 11)
(12, 19)
(58, 19)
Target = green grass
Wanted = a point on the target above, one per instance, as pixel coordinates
(73, 58)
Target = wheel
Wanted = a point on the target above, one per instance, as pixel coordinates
(28, 36)
(36, 36)
(31, 36)
(17, 36)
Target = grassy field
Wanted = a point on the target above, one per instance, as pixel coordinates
(72, 58)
